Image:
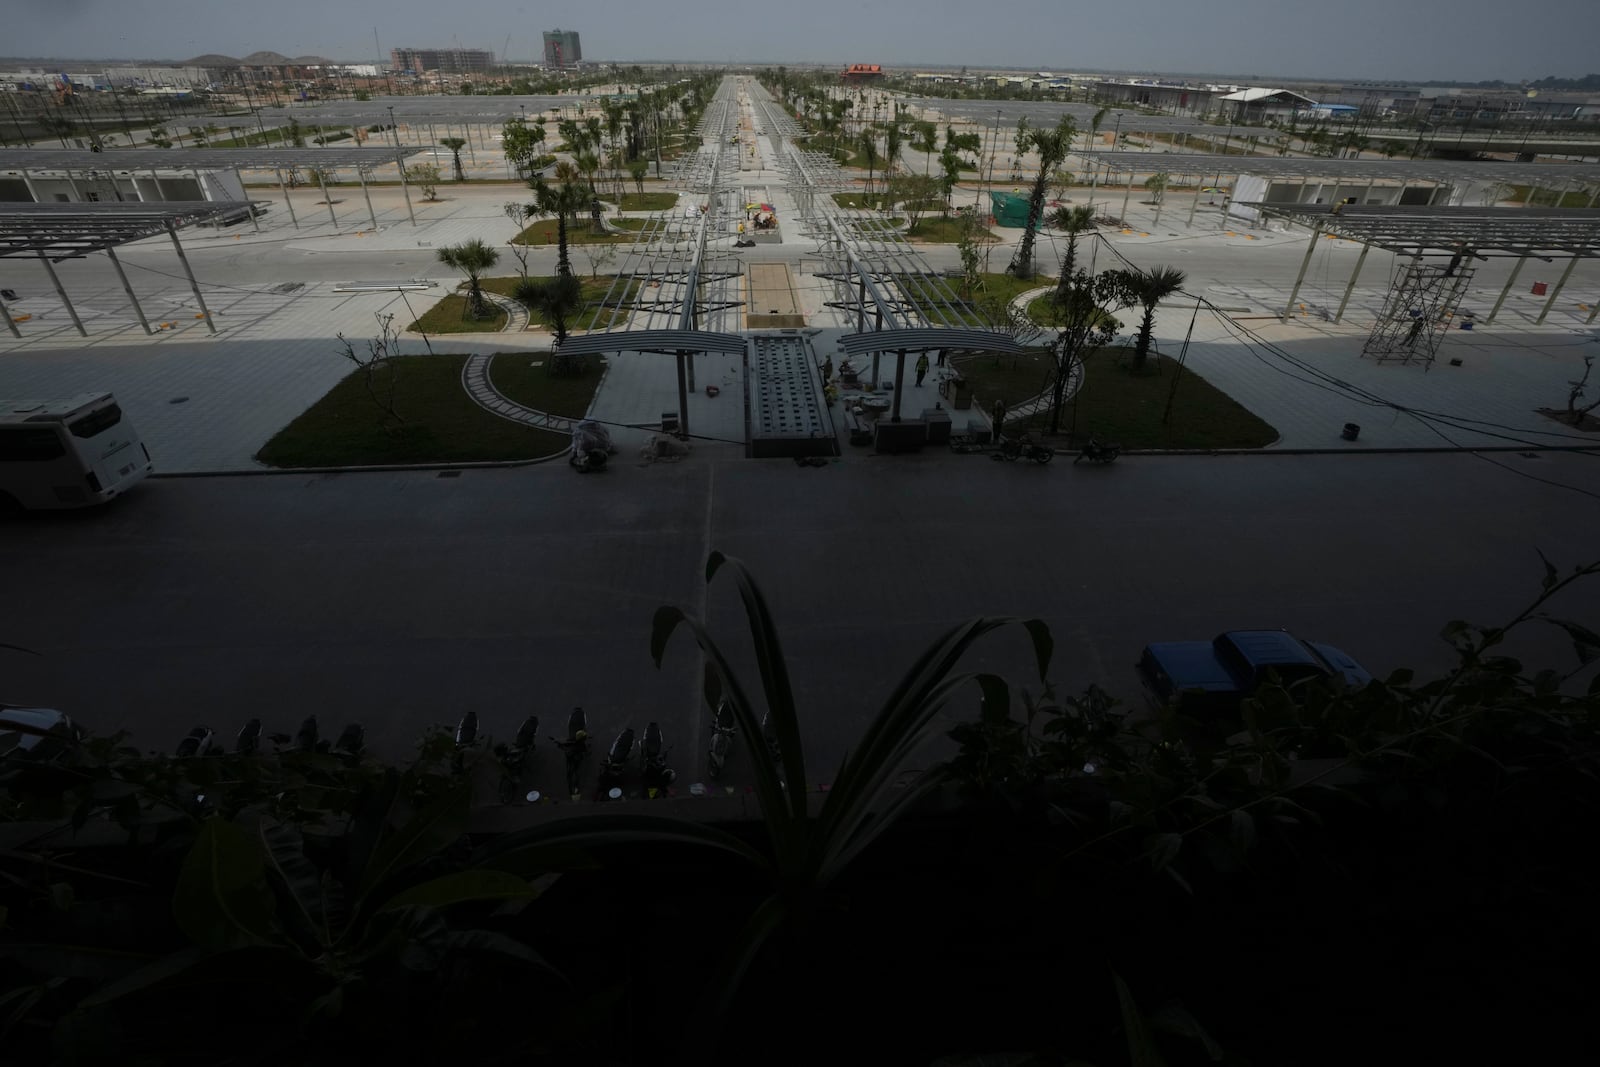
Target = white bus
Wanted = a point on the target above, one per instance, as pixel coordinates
(70, 453)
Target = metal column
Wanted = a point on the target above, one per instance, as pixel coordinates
(286, 201)
(240, 178)
(361, 175)
(1128, 195)
(404, 188)
(62, 293)
(132, 299)
(1352, 286)
(326, 199)
(683, 394)
(194, 286)
(1311, 247)
(10, 322)
(1507, 290)
(899, 377)
(1556, 292)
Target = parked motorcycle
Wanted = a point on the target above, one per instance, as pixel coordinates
(615, 764)
(576, 747)
(1100, 451)
(515, 759)
(723, 732)
(657, 775)
(305, 739)
(1012, 449)
(197, 743)
(249, 740)
(351, 743)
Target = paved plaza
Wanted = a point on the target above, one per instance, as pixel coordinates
(207, 402)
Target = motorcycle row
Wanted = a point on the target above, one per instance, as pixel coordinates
(516, 758)
(1011, 449)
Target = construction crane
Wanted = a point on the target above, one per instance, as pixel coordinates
(505, 50)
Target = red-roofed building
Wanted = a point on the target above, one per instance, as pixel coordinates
(859, 73)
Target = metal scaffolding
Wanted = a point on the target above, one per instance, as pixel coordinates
(1421, 305)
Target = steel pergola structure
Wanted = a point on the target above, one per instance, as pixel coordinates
(1356, 171)
(129, 161)
(54, 232)
(1458, 232)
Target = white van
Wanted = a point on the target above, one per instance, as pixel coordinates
(70, 453)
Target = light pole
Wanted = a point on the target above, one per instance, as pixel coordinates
(394, 129)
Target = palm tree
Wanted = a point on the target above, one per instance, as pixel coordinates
(925, 139)
(869, 149)
(455, 144)
(1071, 221)
(1052, 146)
(561, 295)
(1150, 288)
(472, 258)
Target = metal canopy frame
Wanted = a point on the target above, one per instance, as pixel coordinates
(1436, 229)
(264, 157)
(1342, 169)
(54, 232)
(1458, 232)
(665, 254)
(1048, 113)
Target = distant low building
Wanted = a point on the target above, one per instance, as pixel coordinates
(1259, 105)
(861, 74)
(443, 60)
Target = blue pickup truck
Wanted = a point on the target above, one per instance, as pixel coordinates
(1211, 678)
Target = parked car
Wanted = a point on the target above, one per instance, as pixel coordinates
(1210, 679)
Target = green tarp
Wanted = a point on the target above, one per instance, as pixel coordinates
(1010, 209)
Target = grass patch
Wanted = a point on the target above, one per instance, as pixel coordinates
(994, 287)
(594, 294)
(860, 200)
(938, 230)
(647, 202)
(1043, 311)
(1116, 405)
(449, 316)
(443, 424)
(518, 380)
(1546, 198)
(579, 232)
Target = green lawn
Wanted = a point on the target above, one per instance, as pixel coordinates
(859, 200)
(1001, 287)
(648, 202)
(594, 293)
(517, 378)
(579, 232)
(449, 316)
(442, 424)
(1043, 312)
(1117, 406)
(936, 229)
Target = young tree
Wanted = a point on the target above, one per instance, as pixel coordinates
(949, 175)
(925, 139)
(1052, 146)
(637, 170)
(377, 369)
(519, 214)
(1150, 288)
(424, 176)
(912, 193)
(522, 143)
(1085, 307)
(1061, 182)
(455, 144)
(599, 254)
(969, 248)
(472, 258)
(1156, 184)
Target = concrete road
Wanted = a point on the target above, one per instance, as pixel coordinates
(407, 599)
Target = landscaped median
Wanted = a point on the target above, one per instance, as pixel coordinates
(434, 420)
(449, 315)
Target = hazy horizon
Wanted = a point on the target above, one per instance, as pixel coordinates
(1476, 40)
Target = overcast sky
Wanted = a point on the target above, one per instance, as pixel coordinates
(1467, 40)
